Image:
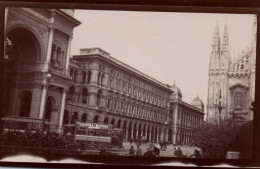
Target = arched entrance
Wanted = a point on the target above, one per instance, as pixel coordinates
(170, 136)
(148, 133)
(84, 118)
(113, 122)
(130, 130)
(152, 134)
(22, 48)
(118, 124)
(25, 104)
(66, 117)
(124, 128)
(139, 131)
(135, 130)
(96, 118)
(106, 120)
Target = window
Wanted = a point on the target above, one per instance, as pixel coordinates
(83, 77)
(108, 103)
(85, 95)
(117, 85)
(123, 88)
(98, 101)
(238, 101)
(89, 76)
(99, 78)
(111, 84)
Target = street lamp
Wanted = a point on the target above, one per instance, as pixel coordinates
(48, 77)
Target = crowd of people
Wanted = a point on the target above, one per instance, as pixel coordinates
(38, 139)
(153, 150)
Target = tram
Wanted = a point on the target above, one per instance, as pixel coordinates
(94, 135)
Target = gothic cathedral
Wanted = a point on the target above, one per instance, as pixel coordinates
(231, 82)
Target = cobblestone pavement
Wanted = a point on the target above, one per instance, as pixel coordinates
(186, 150)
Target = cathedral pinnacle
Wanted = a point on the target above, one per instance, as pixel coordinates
(216, 29)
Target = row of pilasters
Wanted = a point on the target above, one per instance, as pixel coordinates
(150, 136)
(185, 138)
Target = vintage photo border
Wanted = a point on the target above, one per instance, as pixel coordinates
(239, 7)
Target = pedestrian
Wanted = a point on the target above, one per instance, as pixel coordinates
(131, 151)
(161, 145)
(174, 151)
(178, 152)
(138, 151)
(196, 153)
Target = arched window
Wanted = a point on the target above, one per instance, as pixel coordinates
(99, 78)
(75, 75)
(53, 54)
(71, 93)
(89, 76)
(106, 120)
(238, 101)
(102, 79)
(83, 77)
(111, 83)
(85, 95)
(99, 97)
(59, 56)
(108, 103)
(84, 117)
(96, 119)
(71, 72)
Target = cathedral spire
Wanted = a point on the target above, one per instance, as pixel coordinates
(216, 39)
(224, 44)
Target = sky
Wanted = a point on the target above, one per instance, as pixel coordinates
(167, 46)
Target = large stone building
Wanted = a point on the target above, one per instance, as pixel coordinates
(231, 82)
(37, 47)
(105, 90)
(42, 82)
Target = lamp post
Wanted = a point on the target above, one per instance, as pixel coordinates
(48, 77)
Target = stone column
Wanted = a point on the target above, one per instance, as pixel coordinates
(48, 57)
(126, 133)
(15, 102)
(43, 100)
(150, 135)
(146, 134)
(68, 55)
(36, 101)
(132, 133)
(62, 111)
(166, 135)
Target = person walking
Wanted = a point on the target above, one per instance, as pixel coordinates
(196, 153)
(138, 151)
(178, 152)
(131, 151)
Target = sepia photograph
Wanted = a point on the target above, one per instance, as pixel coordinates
(134, 84)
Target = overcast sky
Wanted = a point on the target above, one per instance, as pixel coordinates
(166, 46)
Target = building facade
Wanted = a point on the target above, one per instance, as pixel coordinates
(36, 62)
(43, 82)
(185, 118)
(105, 90)
(231, 82)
